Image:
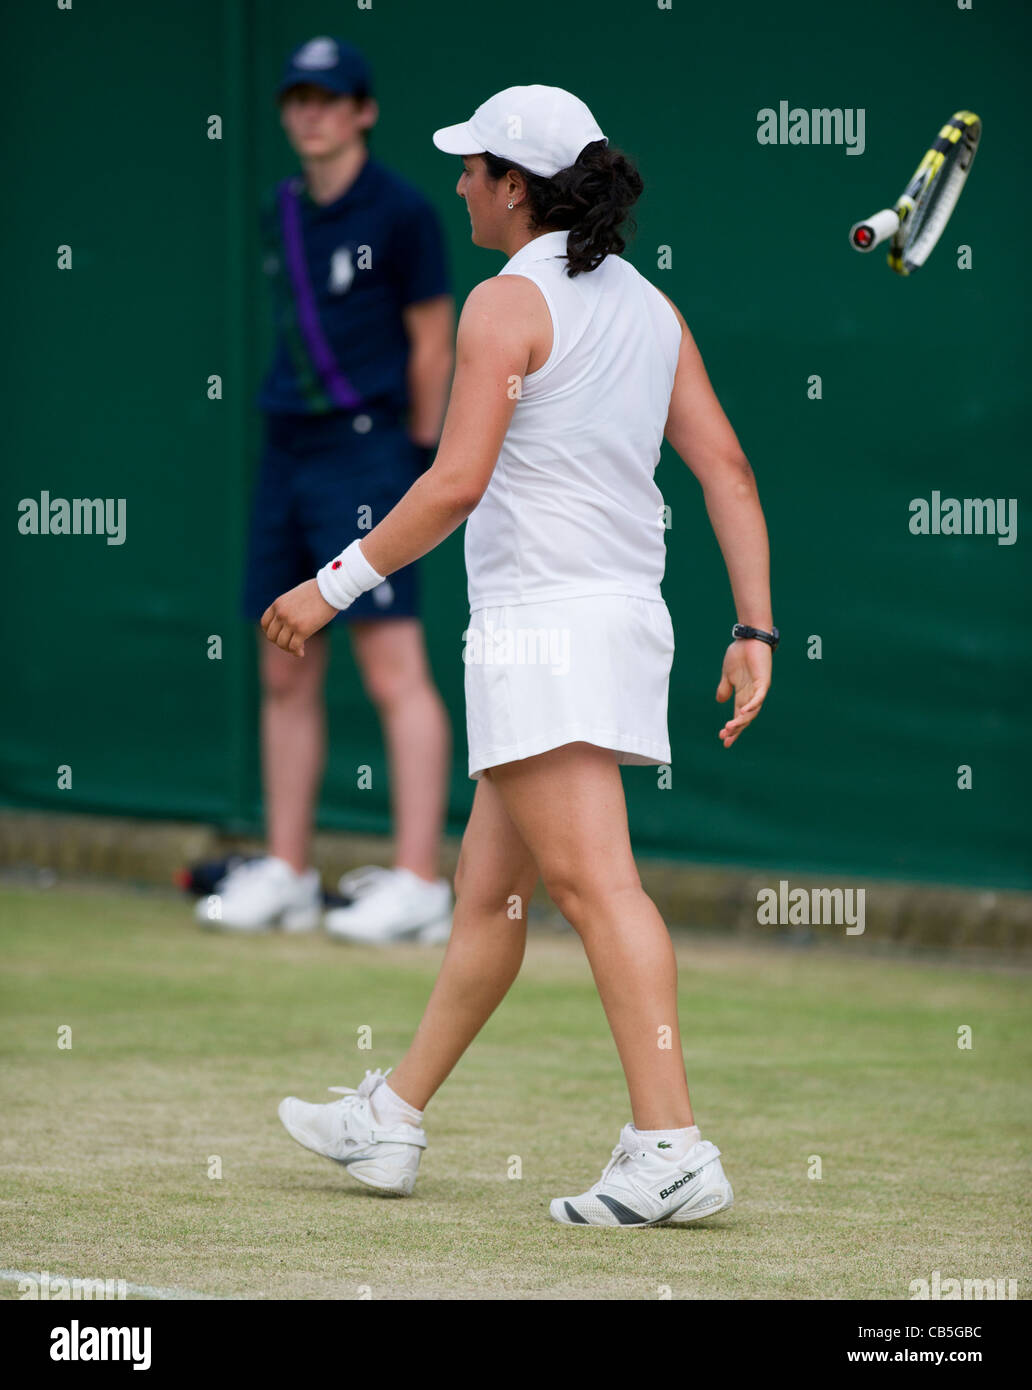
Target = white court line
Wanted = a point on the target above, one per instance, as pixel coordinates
(146, 1290)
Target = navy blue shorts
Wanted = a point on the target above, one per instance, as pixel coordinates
(323, 483)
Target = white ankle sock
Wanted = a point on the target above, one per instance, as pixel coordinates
(390, 1109)
(680, 1140)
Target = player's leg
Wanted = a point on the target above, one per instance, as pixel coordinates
(376, 1129)
(293, 738)
(391, 657)
(494, 881)
(278, 888)
(568, 806)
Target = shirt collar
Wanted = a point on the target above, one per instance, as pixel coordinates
(357, 192)
(540, 249)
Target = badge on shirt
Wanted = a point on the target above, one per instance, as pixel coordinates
(342, 270)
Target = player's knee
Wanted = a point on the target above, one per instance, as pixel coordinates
(568, 889)
(584, 895)
(493, 899)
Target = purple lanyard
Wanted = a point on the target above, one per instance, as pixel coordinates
(340, 390)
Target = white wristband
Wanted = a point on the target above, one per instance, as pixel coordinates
(345, 578)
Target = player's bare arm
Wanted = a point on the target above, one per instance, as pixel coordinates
(702, 435)
(500, 327)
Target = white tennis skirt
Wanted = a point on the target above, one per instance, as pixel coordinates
(581, 670)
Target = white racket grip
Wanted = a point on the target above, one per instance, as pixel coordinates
(882, 225)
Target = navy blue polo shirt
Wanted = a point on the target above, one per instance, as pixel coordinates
(340, 335)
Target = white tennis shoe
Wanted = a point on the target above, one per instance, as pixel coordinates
(391, 905)
(347, 1132)
(639, 1188)
(263, 893)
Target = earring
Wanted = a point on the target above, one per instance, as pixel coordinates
(510, 207)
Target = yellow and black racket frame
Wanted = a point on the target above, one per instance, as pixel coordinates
(962, 126)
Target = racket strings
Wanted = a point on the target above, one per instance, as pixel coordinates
(926, 225)
(945, 169)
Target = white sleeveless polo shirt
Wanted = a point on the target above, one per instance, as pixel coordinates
(572, 508)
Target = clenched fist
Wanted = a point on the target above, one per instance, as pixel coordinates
(295, 615)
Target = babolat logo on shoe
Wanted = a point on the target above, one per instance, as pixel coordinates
(679, 1183)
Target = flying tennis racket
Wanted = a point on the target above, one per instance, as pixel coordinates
(922, 210)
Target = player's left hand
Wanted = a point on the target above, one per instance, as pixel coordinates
(295, 615)
(747, 669)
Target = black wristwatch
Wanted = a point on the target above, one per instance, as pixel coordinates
(739, 632)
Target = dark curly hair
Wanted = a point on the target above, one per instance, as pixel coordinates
(591, 200)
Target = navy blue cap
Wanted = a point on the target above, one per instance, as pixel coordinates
(330, 63)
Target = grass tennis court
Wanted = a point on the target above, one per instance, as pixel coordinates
(184, 1042)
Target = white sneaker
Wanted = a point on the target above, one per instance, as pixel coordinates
(392, 905)
(639, 1188)
(346, 1131)
(359, 881)
(263, 893)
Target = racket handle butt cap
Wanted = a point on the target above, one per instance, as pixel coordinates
(882, 225)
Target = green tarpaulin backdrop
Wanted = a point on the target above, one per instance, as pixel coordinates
(923, 666)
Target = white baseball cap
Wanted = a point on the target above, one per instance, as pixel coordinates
(542, 129)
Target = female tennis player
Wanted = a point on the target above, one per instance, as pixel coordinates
(570, 369)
